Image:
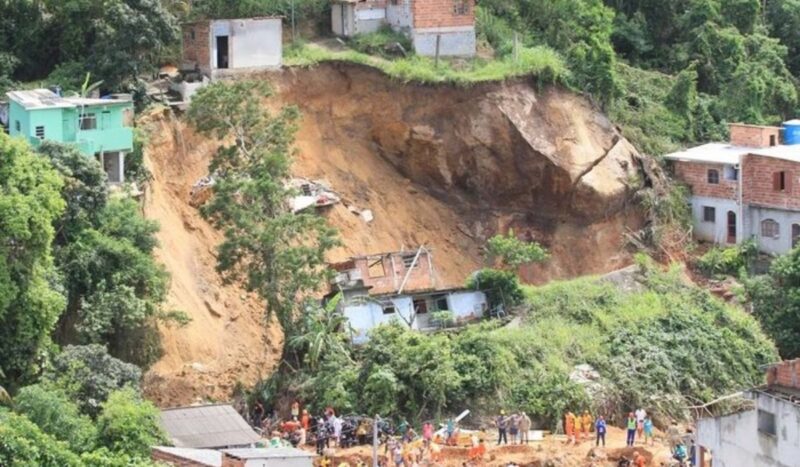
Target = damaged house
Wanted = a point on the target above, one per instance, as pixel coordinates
(399, 287)
(446, 25)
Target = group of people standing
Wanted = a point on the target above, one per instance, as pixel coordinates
(639, 425)
(577, 427)
(517, 426)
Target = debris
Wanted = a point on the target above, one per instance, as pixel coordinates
(366, 214)
(315, 194)
(201, 191)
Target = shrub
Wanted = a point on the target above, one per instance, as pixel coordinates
(129, 424)
(381, 42)
(23, 443)
(501, 287)
(56, 415)
(728, 261)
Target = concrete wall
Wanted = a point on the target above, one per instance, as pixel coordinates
(400, 16)
(754, 136)
(716, 231)
(734, 440)
(368, 314)
(256, 43)
(456, 41)
(785, 219)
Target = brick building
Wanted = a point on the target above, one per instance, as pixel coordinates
(450, 23)
(748, 188)
(399, 287)
(218, 47)
(766, 433)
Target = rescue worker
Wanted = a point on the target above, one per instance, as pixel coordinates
(569, 426)
(578, 427)
(587, 423)
(630, 424)
(524, 428)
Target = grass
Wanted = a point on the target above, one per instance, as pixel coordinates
(540, 62)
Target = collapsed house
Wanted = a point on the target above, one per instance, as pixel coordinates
(399, 287)
(435, 27)
(767, 433)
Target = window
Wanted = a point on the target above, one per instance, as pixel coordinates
(766, 423)
(17, 126)
(770, 229)
(795, 234)
(127, 118)
(731, 173)
(713, 176)
(191, 33)
(376, 268)
(88, 122)
(40, 132)
(780, 182)
(460, 7)
(441, 302)
(389, 309)
(709, 214)
(420, 306)
(772, 140)
(408, 260)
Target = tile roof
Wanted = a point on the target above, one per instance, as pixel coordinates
(208, 426)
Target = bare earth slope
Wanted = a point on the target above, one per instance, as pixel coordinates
(442, 166)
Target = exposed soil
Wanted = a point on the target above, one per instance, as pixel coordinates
(446, 167)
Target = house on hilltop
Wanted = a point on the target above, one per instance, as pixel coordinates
(399, 287)
(448, 25)
(99, 128)
(223, 46)
(767, 434)
(747, 188)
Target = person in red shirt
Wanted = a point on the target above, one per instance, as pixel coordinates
(305, 420)
(639, 460)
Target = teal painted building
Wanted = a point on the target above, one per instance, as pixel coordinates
(100, 128)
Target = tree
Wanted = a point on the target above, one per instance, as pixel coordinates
(278, 253)
(514, 252)
(500, 287)
(56, 415)
(129, 424)
(29, 306)
(783, 19)
(87, 374)
(23, 443)
(322, 332)
(775, 300)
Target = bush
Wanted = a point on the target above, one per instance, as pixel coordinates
(129, 424)
(728, 261)
(501, 287)
(56, 415)
(381, 42)
(88, 375)
(22, 443)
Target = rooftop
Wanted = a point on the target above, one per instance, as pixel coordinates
(267, 453)
(45, 98)
(207, 426)
(208, 457)
(726, 153)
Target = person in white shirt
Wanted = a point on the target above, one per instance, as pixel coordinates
(640, 414)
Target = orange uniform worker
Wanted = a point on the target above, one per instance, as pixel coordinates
(639, 460)
(477, 452)
(305, 420)
(586, 423)
(569, 426)
(578, 427)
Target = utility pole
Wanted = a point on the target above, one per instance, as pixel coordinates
(375, 441)
(438, 43)
(294, 33)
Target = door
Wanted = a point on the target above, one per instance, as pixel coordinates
(222, 51)
(795, 234)
(731, 227)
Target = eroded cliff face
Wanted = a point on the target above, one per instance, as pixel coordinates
(440, 166)
(498, 155)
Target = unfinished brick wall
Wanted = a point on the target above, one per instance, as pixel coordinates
(228, 461)
(443, 13)
(196, 43)
(754, 136)
(695, 175)
(170, 459)
(786, 374)
(760, 179)
(389, 275)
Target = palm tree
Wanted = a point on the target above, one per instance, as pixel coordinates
(322, 332)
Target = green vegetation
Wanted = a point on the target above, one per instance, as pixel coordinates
(735, 260)
(540, 62)
(775, 301)
(663, 347)
(501, 287)
(513, 252)
(383, 42)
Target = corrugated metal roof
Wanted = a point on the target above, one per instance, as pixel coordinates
(208, 457)
(268, 453)
(208, 426)
(724, 153)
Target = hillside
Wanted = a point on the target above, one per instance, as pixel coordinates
(441, 166)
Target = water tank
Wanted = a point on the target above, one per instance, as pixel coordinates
(791, 132)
